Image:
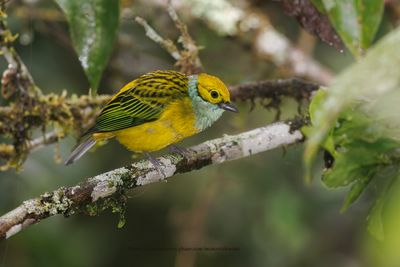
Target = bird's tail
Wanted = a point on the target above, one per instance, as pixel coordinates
(82, 147)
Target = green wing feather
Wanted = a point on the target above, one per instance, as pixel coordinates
(143, 102)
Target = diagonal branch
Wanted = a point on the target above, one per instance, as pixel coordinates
(167, 44)
(113, 184)
(229, 19)
(58, 115)
(187, 58)
(78, 112)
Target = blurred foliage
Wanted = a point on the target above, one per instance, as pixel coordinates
(355, 122)
(313, 19)
(356, 21)
(93, 26)
(258, 205)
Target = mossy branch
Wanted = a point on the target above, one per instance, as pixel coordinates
(229, 19)
(16, 78)
(59, 115)
(108, 189)
(55, 115)
(274, 89)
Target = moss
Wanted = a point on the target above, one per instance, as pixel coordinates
(127, 177)
(52, 111)
(117, 204)
(49, 203)
(28, 109)
(298, 123)
(91, 209)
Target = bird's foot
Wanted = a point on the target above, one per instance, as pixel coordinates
(156, 163)
(180, 150)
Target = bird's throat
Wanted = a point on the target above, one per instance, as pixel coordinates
(205, 112)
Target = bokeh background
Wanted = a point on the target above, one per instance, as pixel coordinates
(252, 212)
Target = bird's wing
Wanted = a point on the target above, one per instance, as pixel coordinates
(143, 102)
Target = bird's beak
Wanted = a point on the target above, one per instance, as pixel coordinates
(228, 106)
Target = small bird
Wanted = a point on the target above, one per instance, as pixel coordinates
(158, 109)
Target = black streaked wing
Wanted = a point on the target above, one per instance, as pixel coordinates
(125, 111)
(142, 103)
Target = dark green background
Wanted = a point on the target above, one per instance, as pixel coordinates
(259, 206)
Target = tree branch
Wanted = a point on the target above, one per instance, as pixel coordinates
(58, 114)
(61, 115)
(292, 87)
(187, 58)
(77, 113)
(17, 73)
(228, 19)
(113, 184)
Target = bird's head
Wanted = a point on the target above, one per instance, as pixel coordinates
(214, 91)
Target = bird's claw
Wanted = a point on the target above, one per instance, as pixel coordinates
(157, 164)
(180, 150)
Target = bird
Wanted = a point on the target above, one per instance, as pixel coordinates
(157, 110)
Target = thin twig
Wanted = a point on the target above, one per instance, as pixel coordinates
(8, 151)
(46, 139)
(188, 58)
(113, 184)
(84, 108)
(67, 113)
(227, 19)
(191, 50)
(167, 44)
(16, 66)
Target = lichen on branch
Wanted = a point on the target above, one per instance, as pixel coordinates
(60, 114)
(57, 116)
(108, 189)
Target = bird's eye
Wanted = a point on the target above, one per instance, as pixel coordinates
(214, 94)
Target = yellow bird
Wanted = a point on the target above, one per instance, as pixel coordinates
(158, 109)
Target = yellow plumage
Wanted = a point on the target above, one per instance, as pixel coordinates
(175, 123)
(156, 110)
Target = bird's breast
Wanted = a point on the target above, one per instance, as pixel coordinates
(175, 123)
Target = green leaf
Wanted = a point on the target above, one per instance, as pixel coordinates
(375, 222)
(356, 21)
(357, 118)
(319, 5)
(384, 213)
(348, 169)
(93, 25)
(327, 143)
(355, 191)
(350, 87)
(317, 100)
